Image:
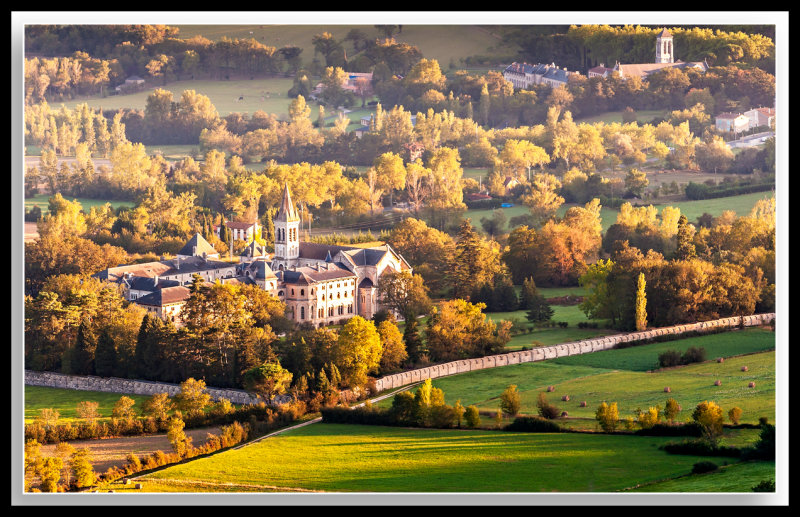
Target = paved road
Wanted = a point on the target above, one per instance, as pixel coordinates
(751, 140)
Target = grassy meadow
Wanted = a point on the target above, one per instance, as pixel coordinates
(43, 202)
(349, 458)
(621, 376)
(738, 477)
(66, 401)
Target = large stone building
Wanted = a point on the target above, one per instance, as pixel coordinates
(320, 284)
(665, 58)
(523, 75)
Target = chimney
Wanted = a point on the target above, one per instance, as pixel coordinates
(177, 262)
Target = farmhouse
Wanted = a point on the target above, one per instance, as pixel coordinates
(760, 117)
(732, 122)
(523, 75)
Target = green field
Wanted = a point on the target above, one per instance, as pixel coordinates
(620, 376)
(739, 477)
(224, 96)
(349, 458)
(643, 117)
(65, 401)
(691, 209)
(43, 202)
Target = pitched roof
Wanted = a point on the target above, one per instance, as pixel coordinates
(645, 69)
(196, 246)
(235, 225)
(665, 34)
(165, 296)
(287, 211)
(730, 116)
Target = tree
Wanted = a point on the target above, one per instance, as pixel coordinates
(413, 340)
(158, 406)
(510, 400)
(268, 380)
(181, 443)
(538, 308)
(124, 408)
(394, 350)
(49, 471)
(734, 414)
(685, 240)
(714, 155)
(708, 415)
(636, 181)
(358, 351)
(472, 417)
(106, 361)
(607, 416)
(193, 397)
(458, 329)
(87, 410)
(671, 410)
(475, 262)
(404, 293)
(82, 470)
(543, 199)
(641, 304)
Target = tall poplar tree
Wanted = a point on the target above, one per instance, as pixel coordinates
(641, 304)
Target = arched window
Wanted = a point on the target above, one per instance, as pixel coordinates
(292, 292)
(302, 292)
(302, 313)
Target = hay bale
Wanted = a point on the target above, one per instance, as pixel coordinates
(721, 360)
(565, 398)
(744, 368)
(126, 481)
(751, 385)
(564, 414)
(138, 486)
(583, 404)
(551, 388)
(718, 383)
(667, 390)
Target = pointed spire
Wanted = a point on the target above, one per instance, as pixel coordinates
(329, 258)
(287, 211)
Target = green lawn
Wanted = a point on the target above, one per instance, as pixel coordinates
(65, 401)
(349, 458)
(620, 376)
(43, 202)
(738, 477)
(643, 117)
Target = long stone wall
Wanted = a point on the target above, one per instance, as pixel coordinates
(140, 387)
(561, 350)
(132, 386)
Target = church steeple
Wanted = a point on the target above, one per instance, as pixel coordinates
(664, 51)
(287, 229)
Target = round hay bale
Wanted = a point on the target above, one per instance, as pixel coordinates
(667, 390)
(564, 414)
(718, 383)
(721, 360)
(138, 486)
(744, 368)
(551, 388)
(565, 398)
(751, 385)
(126, 481)
(583, 404)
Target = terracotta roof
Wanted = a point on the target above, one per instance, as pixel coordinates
(237, 225)
(645, 69)
(729, 115)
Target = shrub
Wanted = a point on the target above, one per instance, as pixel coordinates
(694, 355)
(510, 400)
(546, 409)
(647, 419)
(767, 485)
(669, 358)
(671, 409)
(701, 467)
(734, 415)
(472, 417)
(671, 430)
(701, 448)
(708, 415)
(533, 424)
(442, 417)
(607, 416)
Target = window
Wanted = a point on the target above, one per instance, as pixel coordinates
(302, 292)
(292, 292)
(302, 313)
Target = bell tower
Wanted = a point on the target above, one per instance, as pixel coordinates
(664, 51)
(287, 230)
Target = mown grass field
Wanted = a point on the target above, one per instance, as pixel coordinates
(348, 458)
(66, 401)
(643, 117)
(738, 477)
(620, 376)
(43, 202)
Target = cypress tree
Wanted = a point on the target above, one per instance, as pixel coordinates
(83, 355)
(106, 361)
(412, 339)
(641, 304)
(527, 293)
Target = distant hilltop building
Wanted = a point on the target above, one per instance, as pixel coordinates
(523, 75)
(665, 58)
(320, 284)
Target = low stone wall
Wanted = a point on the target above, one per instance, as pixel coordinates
(132, 386)
(561, 350)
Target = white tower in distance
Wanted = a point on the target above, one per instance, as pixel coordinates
(287, 231)
(664, 52)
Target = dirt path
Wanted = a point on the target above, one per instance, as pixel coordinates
(111, 452)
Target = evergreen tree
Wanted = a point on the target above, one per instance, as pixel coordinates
(413, 340)
(82, 361)
(527, 293)
(539, 309)
(106, 361)
(641, 304)
(685, 247)
(504, 296)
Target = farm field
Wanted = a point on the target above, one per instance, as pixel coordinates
(65, 402)
(43, 202)
(620, 376)
(441, 42)
(349, 458)
(691, 209)
(265, 94)
(739, 477)
(643, 117)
